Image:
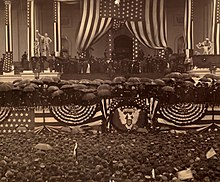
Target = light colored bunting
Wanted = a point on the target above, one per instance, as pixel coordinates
(188, 25)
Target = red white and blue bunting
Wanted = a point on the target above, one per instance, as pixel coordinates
(4, 113)
(183, 114)
(74, 114)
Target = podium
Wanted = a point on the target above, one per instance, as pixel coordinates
(206, 61)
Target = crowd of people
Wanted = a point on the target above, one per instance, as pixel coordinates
(128, 157)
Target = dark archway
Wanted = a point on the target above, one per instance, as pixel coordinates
(123, 47)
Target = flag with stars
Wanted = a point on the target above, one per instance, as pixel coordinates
(130, 10)
(18, 121)
(8, 61)
(216, 26)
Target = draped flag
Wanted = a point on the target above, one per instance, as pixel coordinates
(92, 26)
(151, 30)
(188, 26)
(216, 26)
(8, 57)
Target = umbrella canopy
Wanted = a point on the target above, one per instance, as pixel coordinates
(146, 80)
(5, 87)
(67, 87)
(52, 88)
(107, 82)
(168, 89)
(104, 93)
(119, 79)
(23, 83)
(38, 82)
(159, 82)
(43, 146)
(99, 80)
(79, 86)
(174, 75)
(212, 76)
(95, 82)
(134, 80)
(104, 87)
(88, 90)
(188, 83)
(88, 97)
(29, 89)
(47, 80)
(85, 81)
(74, 81)
(17, 81)
(57, 93)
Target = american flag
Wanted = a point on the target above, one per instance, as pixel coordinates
(8, 61)
(188, 26)
(216, 26)
(8, 57)
(125, 9)
(17, 121)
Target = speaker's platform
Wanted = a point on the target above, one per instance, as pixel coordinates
(9, 77)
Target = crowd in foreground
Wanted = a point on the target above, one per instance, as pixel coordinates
(126, 157)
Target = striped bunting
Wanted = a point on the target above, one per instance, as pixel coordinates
(4, 113)
(92, 26)
(152, 31)
(216, 26)
(188, 25)
(56, 118)
(210, 117)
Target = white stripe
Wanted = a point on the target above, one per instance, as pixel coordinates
(55, 37)
(47, 119)
(213, 20)
(80, 34)
(28, 44)
(155, 22)
(94, 25)
(6, 38)
(162, 36)
(89, 24)
(59, 26)
(217, 39)
(147, 21)
(32, 28)
(10, 28)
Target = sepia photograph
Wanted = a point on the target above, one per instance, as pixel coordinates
(109, 90)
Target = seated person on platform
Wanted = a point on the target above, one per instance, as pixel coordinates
(206, 46)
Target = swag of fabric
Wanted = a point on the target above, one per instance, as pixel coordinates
(92, 26)
(151, 30)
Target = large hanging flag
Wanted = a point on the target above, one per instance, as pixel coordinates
(151, 28)
(216, 26)
(92, 26)
(188, 27)
(8, 57)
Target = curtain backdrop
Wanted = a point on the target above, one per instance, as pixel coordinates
(152, 30)
(92, 26)
(147, 24)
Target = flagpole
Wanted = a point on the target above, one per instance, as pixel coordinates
(57, 27)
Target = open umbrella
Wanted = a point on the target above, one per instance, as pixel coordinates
(79, 86)
(64, 87)
(134, 80)
(95, 82)
(107, 82)
(88, 97)
(5, 87)
(168, 89)
(212, 76)
(64, 82)
(88, 90)
(99, 80)
(104, 87)
(47, 80)
(74, 81)
(29, 89)
(119, 79)
(159, 82)
(104, 93)
(146, 80)
(38, 82)
(174, 75)
(52, 88)
(43, 146)
(85, 81)
(57, 93)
